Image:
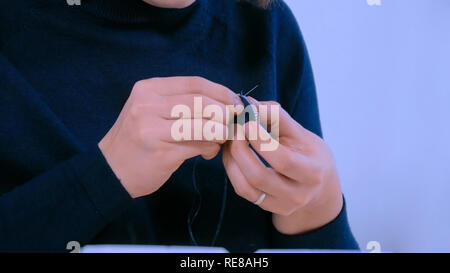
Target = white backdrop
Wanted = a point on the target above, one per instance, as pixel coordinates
(383, 79)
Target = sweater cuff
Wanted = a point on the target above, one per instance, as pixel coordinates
(335, 235)
(103, 188)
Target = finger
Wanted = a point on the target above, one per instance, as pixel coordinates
(278, 121)
(281, 158)
(243, 188)
(187, 107)
(237, 179)
(255, 172)
(170, 131)
(196, 129)
(194, 85)
(190, 149)
(199, 106)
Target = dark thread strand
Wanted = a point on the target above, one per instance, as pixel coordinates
(196, 205)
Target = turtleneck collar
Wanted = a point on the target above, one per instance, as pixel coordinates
(137, 11)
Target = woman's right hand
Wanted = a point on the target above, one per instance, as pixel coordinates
(140, 148)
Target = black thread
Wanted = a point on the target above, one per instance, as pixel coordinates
(196, 205)
(198, 196)
(194, 211)
(222, 211)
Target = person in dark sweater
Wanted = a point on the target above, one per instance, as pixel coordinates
(85, 147)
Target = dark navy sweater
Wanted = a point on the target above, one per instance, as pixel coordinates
(65, 74)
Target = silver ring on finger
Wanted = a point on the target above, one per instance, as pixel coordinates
(260, 199)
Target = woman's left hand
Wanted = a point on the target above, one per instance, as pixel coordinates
(301, 185)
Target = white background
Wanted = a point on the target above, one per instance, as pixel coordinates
(383, 81)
